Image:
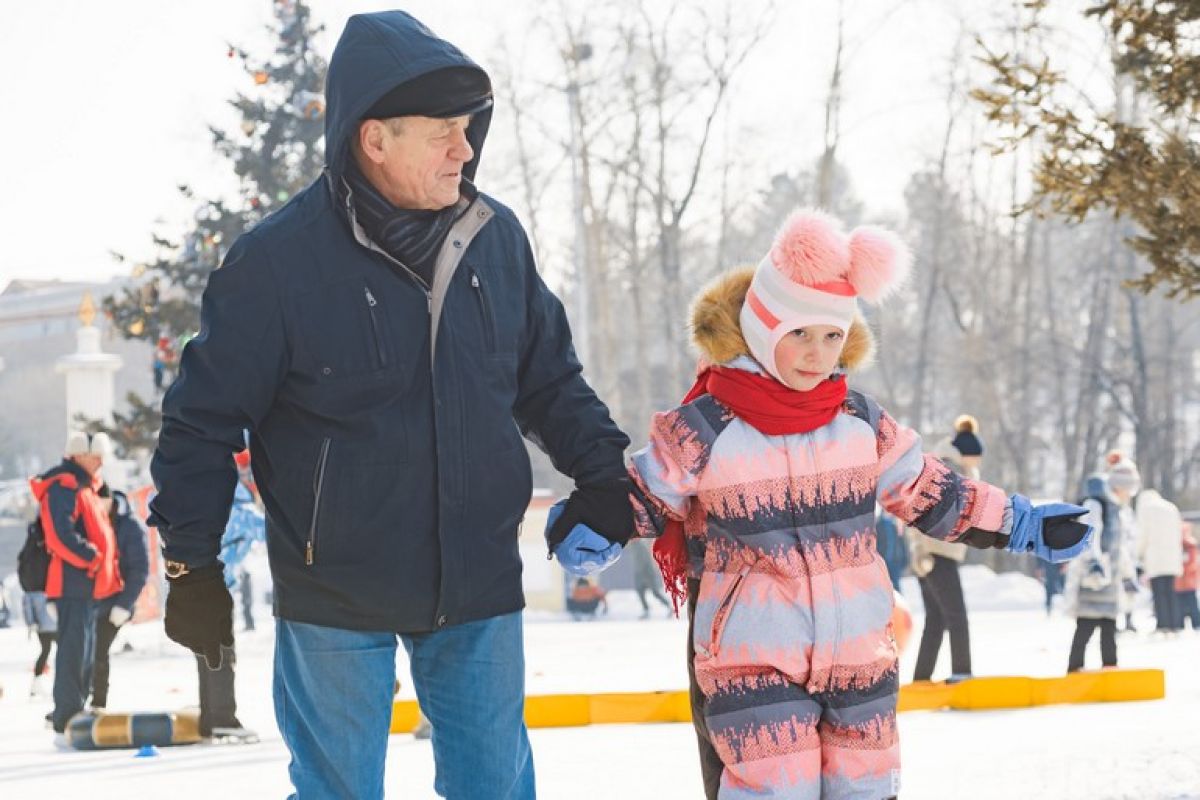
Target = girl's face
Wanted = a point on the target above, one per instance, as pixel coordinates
(808, 355)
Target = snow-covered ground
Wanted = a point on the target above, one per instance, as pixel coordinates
(1147, 751)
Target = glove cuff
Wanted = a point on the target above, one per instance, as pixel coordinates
(1022, 533)
(1006, 522)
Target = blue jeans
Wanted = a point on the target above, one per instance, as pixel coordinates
(333, 702)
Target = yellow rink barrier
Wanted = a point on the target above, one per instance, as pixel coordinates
(1106, 686)
(976, 694)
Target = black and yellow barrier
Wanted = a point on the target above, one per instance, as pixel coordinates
(1107, 686)
(110, 731)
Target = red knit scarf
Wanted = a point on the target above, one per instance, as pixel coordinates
(770, 407)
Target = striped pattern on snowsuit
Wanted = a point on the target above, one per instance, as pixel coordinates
(794, 649)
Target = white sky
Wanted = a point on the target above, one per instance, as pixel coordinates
(104, 106)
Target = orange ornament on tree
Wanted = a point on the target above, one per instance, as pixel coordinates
(261, 77)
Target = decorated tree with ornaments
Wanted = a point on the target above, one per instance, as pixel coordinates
(276, 150)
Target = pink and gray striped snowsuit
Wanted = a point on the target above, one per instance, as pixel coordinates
(794, 650)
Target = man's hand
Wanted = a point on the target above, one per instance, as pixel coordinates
(119, 616)
(1051, 532)
(93, 567)
(602, 507)
(199, 613)
(583, 551)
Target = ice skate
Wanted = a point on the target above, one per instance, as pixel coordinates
(234, 733)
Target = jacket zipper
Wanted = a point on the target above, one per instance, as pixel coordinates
(318, 486)
(428, 290)
(836, 608)
(489, 327)
(380, 355)
(722, 613)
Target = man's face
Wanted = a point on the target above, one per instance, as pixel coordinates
(90, 462)
(418, 160)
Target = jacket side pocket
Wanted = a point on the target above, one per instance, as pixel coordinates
(310, 546)
(721, 616)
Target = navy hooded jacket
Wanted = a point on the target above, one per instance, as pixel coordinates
(133, 557)
(385, 416)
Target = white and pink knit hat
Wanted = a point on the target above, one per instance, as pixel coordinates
(814, 275)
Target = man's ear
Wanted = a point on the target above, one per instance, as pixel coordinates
(369, 143)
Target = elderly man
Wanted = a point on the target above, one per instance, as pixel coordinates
(386, 340)
(83, 564)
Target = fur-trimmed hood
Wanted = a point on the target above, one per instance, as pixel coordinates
(717, 334)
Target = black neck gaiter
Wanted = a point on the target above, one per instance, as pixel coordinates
(412, 237)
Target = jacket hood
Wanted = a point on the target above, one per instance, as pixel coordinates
(375, 53)
(717, 334)
(121, 505)
(68, 473)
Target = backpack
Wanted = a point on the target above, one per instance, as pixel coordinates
(33, 562)
(1096, 569)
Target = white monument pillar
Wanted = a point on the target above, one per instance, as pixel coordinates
(89, 371)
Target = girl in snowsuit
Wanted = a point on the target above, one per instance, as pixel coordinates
(763, 486)
(1096, 580)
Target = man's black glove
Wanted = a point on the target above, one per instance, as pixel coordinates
(604, 507)
(199, 613)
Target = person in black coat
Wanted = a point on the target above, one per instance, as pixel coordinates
(935, 563)
(386, 340)
(133, 561)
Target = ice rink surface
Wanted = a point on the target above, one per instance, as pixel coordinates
(1139, 751)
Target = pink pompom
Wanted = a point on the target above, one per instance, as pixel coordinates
(811, 249)
(879, 262)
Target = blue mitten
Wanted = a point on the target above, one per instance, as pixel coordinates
(583, 551)
(1051, 532)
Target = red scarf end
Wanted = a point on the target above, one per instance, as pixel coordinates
(670, 551)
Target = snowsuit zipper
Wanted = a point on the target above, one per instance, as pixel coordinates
(836, 606)
(318, 486)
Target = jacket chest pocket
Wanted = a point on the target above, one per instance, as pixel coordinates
(345, 329)
(486, 318)
(494, 309)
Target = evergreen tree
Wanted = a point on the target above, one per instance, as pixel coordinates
(276, 150)
(1139, 159)
(134, 431)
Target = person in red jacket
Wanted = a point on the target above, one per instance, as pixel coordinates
(1187, 583)
(83, 563)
